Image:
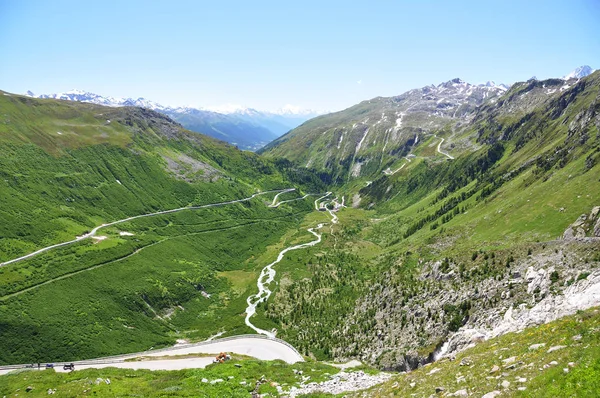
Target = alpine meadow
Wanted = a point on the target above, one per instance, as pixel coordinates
(427, 236)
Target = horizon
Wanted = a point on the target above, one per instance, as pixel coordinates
(326, 58)
(286, 108)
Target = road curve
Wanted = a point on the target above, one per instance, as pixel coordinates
(444, 153)
(96, 229)
(256, 346)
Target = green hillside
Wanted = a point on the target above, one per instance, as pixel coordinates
(466, 225)
(572, 370)
(435, 239)
(68, 167)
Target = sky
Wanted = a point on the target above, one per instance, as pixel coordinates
(321, 55)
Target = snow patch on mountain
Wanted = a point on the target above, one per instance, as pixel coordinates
(579, 73)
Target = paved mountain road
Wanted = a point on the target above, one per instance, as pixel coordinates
(92, 233)
(444, 153)
(256, 346)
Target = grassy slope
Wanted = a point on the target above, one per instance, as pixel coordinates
(185, 383)
(531, 371)
(125, 293)
(505, 215)
(54, 186)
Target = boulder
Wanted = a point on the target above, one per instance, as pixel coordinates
(534, 347)
(508, 361)
(491, 394)
(556, 348)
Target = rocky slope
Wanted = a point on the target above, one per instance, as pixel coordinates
(367, 138)
(454, 244)
(557, 359)
(373, 136)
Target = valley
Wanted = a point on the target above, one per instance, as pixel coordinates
(300, 199)
(468, 214)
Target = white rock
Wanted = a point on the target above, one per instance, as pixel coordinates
(556, 348)
(534, 347)
(580, 295)
(505, 384)
(491, 394)
(508, 361)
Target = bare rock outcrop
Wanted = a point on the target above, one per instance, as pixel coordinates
(587, 225)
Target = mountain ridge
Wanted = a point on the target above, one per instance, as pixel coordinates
(247, 128)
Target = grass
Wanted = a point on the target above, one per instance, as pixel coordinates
(239, 279)
(119, 311)
(124, 293)
(184, 383)
(518, 190)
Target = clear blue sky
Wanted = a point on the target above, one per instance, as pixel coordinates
(265, 54)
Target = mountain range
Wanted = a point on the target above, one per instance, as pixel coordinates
(246, 128)
(443, 234)
(252, 129)
(373, 136)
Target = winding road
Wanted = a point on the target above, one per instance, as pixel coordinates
(256, 346)
(96, 229)
(444, 153)
(263, 346)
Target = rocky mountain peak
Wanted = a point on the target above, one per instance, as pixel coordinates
(579, 72)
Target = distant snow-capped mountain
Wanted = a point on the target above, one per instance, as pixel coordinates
(580, 72)
(86, 96)
(245, 127)
(492, 84)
